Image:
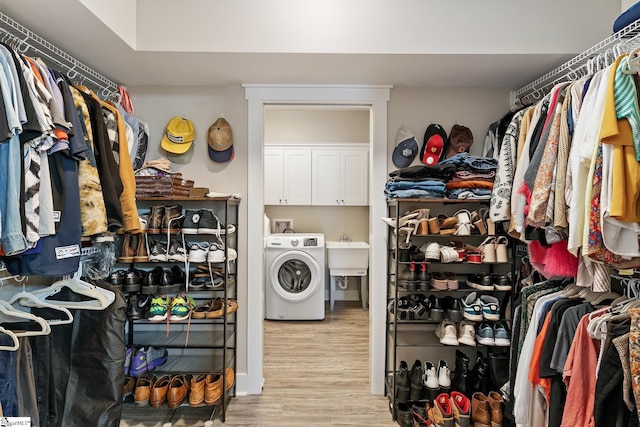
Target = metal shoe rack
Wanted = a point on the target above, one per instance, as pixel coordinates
(197, 346)
(416, 339)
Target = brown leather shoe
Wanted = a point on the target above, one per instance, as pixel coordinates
(127, 249)
(172, 220)
(177, 391)
(159, 391)
(196, 391)
(480, 410)
(212, 389)
(230, 378)
(141, 254)
(154, 223)
(496, 403)
(143, 390)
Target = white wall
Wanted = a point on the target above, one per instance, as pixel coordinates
(416, 108)
(319, 124)
(372, 26)
(119, 15)
(626, 4)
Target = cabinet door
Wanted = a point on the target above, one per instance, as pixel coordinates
(354, 177)
(325, 179)
(273, 176)
(297, 176)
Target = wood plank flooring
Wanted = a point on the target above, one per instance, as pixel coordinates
(316, 374)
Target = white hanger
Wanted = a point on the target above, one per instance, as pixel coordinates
(632, 62)
(101, 298)
(13, 337)
(11, 312)
(27, 299)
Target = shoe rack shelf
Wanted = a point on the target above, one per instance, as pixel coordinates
(415, 338)
(195, 346)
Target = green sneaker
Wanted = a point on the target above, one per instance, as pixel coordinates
(181, 307)
(159, 309)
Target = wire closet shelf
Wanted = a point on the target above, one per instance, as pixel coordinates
(27, 42)
(627, 38)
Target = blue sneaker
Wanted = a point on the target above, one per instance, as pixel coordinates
(484, 334)
(472, 307)
(145, 360)
(501, 334)
(490, 307)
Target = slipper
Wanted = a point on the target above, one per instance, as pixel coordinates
(435, 139)
(200, 312)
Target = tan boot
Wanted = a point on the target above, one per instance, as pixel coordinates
(212, 389)
(496, 403)
(480, 410)
(141, 253)
(172, 220)
(127, 253)
(154, 223)
(196, 390)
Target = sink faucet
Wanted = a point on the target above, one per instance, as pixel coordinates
(345, 238)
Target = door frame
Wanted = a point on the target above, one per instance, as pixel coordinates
(374, 97)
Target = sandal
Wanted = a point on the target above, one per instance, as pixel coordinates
(488, 248)
(501, 249)
(232, 306)
(478, 223)
(490, 225)
(464, 223)
(391, 222)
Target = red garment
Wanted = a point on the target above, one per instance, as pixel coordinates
(534, 365)
(580, 377)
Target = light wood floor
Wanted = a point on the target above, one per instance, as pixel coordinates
(316, 374)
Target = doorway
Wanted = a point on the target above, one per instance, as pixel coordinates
(375, 98)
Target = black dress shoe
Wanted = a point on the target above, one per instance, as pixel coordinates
(152, 281)
(173, 281)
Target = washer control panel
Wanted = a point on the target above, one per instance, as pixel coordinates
(311, 241)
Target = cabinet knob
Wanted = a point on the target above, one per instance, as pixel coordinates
(343, 202)
(337, 201)
(280, 201)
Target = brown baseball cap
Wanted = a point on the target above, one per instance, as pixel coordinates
(220, 141)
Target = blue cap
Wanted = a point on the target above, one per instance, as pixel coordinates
(405, 152)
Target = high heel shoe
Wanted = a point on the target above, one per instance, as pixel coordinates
(391, 222)
(489, 224)
(463, 228)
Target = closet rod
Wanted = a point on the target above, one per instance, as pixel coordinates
(629, 37)
(26, 41)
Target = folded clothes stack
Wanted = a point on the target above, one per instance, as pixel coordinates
(162, 185)
(419, 182)
(473, 177)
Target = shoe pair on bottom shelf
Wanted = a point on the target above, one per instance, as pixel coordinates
(174, 390)
(487, 410)
(447, 410)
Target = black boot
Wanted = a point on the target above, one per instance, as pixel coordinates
(477, 378)
(417, 381)
(403, 385)
(498, 370)
(459, 382)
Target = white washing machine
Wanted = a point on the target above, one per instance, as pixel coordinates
(295, 270)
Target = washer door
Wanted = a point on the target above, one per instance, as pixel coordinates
(295, 276)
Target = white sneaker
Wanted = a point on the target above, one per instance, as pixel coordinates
(466, 333)
(446, 331)
(198, 251)
(431, 380)
(444, 375)
(216, 253)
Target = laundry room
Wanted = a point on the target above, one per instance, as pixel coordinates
(295, 201)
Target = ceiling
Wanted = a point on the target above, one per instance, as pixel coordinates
(93, 42)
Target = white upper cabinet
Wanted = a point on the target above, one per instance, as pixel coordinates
(287, 176)
(326, 175)
(339, 176)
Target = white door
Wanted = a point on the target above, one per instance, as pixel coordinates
(297, 176)
(325, 178)
(354, 182)
(273, 176)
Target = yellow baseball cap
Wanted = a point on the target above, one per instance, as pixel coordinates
(179, 135)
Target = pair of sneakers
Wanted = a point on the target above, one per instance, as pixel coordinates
(173, 309)
(493, 335)
(161, 252)
(141, 361)
(212, 253)
(477, 308)
(204, 221)
(437, 379)
(449, 334)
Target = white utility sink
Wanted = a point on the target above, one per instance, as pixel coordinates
(347, 256)
(348, 259)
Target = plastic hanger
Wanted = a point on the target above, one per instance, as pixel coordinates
(632, 62)
(14, 338)
(6, 310)
(100, 298)
(27, 299)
